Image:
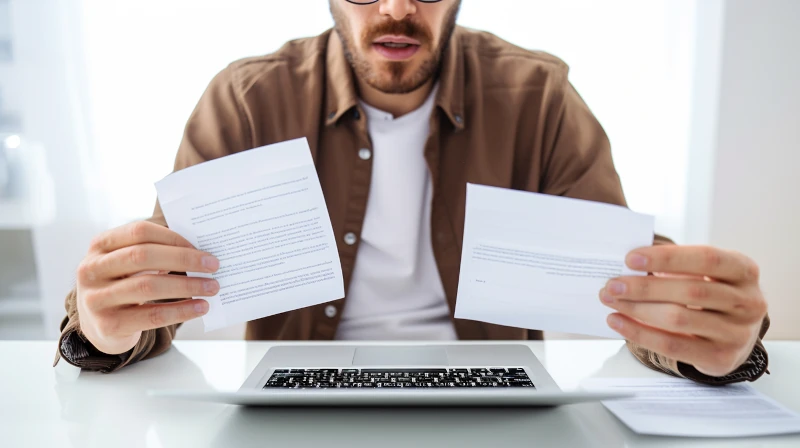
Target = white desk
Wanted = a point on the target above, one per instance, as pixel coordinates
(42, 406)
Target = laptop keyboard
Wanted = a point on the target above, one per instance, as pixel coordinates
(419, 378)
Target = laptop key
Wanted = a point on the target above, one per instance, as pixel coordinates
(401, 371)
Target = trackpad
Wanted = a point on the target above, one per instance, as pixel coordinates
(400, 356)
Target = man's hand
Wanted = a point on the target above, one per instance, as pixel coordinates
(125, 270)
(703, 306)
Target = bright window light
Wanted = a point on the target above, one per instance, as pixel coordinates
(12, 141)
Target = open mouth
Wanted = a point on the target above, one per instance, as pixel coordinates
(395, 45)
(396, 48)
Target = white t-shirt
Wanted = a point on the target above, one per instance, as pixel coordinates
(395, 291)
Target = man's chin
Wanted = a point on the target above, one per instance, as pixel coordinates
(396, 77)
(395, 87)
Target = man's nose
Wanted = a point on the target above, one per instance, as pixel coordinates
(398, 9)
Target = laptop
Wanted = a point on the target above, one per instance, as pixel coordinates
(397, 375)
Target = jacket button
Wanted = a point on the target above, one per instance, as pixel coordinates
(364, 154)
(330, 311)
(350, 238)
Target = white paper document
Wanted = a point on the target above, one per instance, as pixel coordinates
(261, 212)
(679, 407)
(538, 261)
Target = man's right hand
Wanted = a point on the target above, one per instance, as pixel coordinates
(114, 303)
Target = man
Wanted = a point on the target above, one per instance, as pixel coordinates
(401, 109)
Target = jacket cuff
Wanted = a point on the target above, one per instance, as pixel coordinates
(751, 370)
(74, 348)
(79, 352)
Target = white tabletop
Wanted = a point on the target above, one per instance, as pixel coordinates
(43, 406)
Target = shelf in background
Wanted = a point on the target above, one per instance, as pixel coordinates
(28, 201)
(22, 328)
(20, 306)
(17, 215)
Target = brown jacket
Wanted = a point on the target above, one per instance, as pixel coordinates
(504, 116)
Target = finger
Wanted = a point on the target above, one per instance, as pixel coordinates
(152, 257)
(691, 292)
(679, 319)
(147, 288)
(136, 233)
(716, 263)
(683, 276)
(158, 315)
(688, 349)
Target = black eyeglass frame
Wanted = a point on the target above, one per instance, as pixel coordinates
(376, 1)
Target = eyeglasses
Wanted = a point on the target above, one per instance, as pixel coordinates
(369, 2)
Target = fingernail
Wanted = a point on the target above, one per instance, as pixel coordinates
(616, 287)
(200, 307)
(614, 322)
(605, 297)
(210, 263)
(637, 261)
(210, 286)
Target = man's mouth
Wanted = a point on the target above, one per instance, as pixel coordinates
(395, 45)
(396, 48)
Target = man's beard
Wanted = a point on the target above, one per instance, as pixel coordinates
(398, 81)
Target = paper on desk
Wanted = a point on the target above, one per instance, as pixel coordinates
(538, 261)
(680, 407)
(261, 212)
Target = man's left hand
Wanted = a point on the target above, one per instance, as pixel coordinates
(703, 306)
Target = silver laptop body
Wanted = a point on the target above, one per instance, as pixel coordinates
(336, 374)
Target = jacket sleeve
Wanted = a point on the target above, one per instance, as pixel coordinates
(576, 162)
(218, 126)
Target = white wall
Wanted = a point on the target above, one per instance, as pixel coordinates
(755, 207)
(710, 21)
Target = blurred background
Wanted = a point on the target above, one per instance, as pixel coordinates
(700, 98)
